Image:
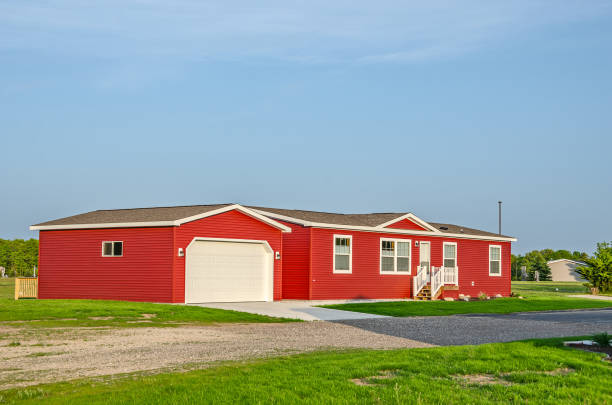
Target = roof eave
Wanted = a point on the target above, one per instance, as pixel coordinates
(178, 222)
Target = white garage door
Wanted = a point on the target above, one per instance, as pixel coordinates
(225, 271)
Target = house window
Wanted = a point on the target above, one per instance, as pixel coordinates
(112, 249)
(450, 254)
(494, 260)
(342, 253)
(395, 256)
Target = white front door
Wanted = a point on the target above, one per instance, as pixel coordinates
(227, 271)
(425, 258)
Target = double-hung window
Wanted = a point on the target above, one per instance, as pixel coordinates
(450, 254)
(343, 252)
(494, 260)
(112, 249)
(395, 256)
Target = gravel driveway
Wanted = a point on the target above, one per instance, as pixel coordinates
(45, 355)
(478, 329)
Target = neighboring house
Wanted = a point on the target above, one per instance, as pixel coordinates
(564, 270)
(231, 252)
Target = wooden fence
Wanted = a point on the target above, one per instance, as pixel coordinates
(26, 287)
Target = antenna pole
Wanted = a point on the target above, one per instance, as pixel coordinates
(500, 204)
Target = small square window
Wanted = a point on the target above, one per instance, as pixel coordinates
(112, 249)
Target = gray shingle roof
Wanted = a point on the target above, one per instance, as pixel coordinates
(157, 214)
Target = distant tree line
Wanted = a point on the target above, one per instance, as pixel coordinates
(19, 256)
(536, 261)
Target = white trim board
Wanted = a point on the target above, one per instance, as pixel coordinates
(178, 222)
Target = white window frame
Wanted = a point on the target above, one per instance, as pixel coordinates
(350, 254)
(113, 248)
(500, 261)
(395, 272)
(456, 253)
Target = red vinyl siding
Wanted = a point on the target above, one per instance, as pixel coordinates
(406, 224)
(72, 266)
(365, 281)
(228, 225)
(296, 262)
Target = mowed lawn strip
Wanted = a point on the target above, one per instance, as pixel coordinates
(50, 313)
(537, 297)
(541, 372)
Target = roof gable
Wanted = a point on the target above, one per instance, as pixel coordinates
(409, 221)
(406, 224)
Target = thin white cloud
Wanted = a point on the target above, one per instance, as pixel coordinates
(305, 31)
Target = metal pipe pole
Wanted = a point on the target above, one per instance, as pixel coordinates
(500, 204)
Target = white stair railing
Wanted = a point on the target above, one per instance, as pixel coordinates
(419, 281)
(437, 280)
(451, 275)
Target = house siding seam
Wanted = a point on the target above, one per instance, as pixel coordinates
(227, 225)
(71, 264)
(406, 224)
(365, 281)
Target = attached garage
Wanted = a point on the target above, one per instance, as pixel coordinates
(189, 254)
(226, 270)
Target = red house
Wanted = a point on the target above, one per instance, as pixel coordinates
(229, 252)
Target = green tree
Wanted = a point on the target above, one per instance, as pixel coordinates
(579, 256)
(516, 261)
(598, 269)
(561, 254)
(548, 254)
(535, 261)
(19, 256)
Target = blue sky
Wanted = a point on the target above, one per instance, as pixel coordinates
(437, 108)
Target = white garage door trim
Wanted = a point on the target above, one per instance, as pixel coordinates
(269, 295)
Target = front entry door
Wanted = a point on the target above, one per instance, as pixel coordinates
(425, 258)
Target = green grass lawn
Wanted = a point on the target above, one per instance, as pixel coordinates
(548, 288)
(538, 372)
(51, 313)
(540, 296)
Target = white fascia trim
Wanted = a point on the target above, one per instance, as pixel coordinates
(178, 222)
(414, 219)
(107, 225)
(383, 230)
